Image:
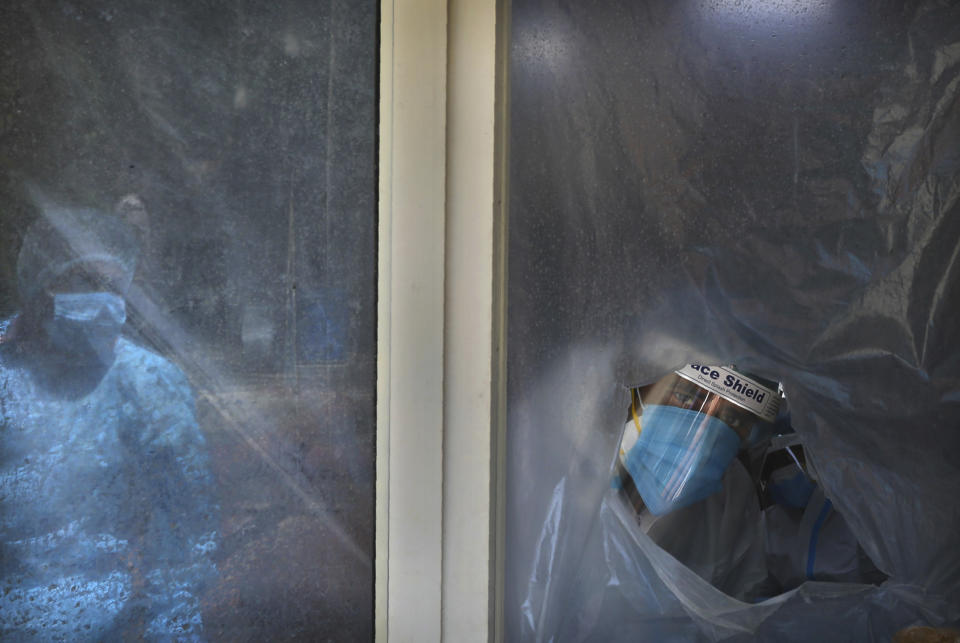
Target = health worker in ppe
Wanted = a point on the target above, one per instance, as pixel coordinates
(806, 538)
(107, 517)
(678, 466)
(685, 464)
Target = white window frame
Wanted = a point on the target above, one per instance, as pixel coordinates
(441, 320)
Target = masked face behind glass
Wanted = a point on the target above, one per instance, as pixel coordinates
(689, 436)
(85, 314)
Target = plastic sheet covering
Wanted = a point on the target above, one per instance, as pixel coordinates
(769, 184)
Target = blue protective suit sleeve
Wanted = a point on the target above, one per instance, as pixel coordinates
(178, 527)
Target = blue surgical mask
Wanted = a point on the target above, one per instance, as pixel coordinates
(680, 457)
(791, 487)
(86, 324)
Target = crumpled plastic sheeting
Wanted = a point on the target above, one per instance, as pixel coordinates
(732, 182)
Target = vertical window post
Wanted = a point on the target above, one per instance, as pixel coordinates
(441, 334)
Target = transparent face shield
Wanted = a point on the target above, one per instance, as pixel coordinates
(684, 430)
(674, 390)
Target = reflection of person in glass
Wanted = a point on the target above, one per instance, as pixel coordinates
(107, 520)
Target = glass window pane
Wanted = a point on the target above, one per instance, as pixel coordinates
(187, 282)
(771, 184)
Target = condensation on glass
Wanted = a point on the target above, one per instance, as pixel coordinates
(187, 287)
(766, 183)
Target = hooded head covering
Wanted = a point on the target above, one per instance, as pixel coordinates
(63, 238)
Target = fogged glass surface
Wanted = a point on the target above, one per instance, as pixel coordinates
(770, 184)
(187, 257)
